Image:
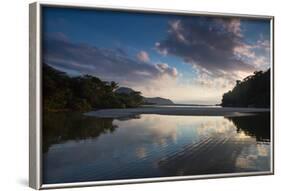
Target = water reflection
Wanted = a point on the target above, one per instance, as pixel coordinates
(79, 148)
(62, 127)
(224, 146)
(254, 126)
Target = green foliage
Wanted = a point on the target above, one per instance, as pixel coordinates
(83, 93)
(132, 99)
(253, 91)
(79, 104)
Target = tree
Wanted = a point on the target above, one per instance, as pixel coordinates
(61, 92)
(253, 91)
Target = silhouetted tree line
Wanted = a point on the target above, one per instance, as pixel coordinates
(253, 91)
(62, 92)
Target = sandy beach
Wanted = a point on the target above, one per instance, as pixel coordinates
(190, 111)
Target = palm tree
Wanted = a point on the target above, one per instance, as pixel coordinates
(113, 85)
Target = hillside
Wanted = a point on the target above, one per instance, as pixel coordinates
(146, 100)
(157, 101)
(124, 90)
(252, 91)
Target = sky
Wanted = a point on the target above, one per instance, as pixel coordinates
(188, 59)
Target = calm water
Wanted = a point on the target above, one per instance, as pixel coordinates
(80, 148)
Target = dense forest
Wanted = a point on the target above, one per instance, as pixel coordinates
(83, 93)
(253, 91)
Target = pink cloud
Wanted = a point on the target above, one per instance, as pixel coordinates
(143, 56)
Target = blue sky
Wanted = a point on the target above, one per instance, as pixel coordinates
(170, 56)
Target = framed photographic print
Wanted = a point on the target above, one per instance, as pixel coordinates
(127, 95)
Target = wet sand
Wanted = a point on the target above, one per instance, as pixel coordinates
(190, 111)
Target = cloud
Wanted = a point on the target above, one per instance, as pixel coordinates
(213, 46)
(244, 50)
(231, 25)
(165, 69)
(107, 64)
(218, 50)
(143, 56)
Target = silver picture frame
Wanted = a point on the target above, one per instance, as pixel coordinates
(35, 95)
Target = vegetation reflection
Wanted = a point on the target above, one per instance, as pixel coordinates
(63, 126)
(258, 127)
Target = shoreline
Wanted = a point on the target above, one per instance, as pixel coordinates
(188, 111)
